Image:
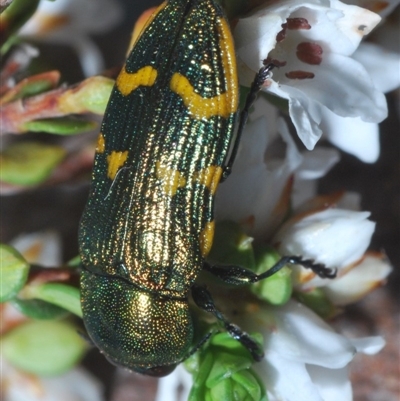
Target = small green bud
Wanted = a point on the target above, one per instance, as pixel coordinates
(45, 348)
(276, 289)
(224, 373)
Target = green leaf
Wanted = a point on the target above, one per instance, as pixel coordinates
(231, 245)
(14, 271)
(62, 295)
(60, 126)
(29, 163)
(37, 309)
(45, 348)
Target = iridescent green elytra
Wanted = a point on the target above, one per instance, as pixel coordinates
(148, 223)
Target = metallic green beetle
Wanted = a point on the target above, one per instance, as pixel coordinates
(148, 224)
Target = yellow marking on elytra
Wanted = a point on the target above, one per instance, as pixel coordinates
(206, 238)
(172, 179)
(220, 105)
(115, 161)
(142, 23)
(101, 144)
(127, 82)
(209, 176)
(227, 49)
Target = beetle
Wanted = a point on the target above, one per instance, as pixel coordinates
(166, 141)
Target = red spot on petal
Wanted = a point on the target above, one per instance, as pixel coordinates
(297, 23)
(281, 35)
(300, 75)
(309, 53)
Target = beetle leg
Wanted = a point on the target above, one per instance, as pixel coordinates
(198, 345)
(203, 300)
(262, 75)
(237, 275)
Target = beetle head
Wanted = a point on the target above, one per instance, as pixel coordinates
(135, 329)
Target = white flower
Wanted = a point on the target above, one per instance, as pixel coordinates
(313, 43)
(257, 194)
(305, 360)
(377, 6)
(315, 165)
(364, 277)
(76, 385)
(70, 22)
(175, 386)
(41, 248)
(352, 134)
(382, 65)
(335, 237)
(254, 187)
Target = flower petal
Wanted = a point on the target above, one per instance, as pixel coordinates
(332, 384)
(368, 345)
(315, 165)
(352, 135)
(300, 335)
(334, 237)
(313, 44)
(382, 65)
(42, 248)
(286, 380)
(76, 385)
(256, 185)
(179, 382)
(359, 281)
(305, 113)
(67, 22)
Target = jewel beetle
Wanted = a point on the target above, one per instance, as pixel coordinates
(166, 141)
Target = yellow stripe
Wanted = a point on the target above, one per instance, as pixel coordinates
(210, 177)
(227, 47)
(221, 105)
(128, 82)
(115, 161)
(101, 144)
(206, 238)
(172, 179)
